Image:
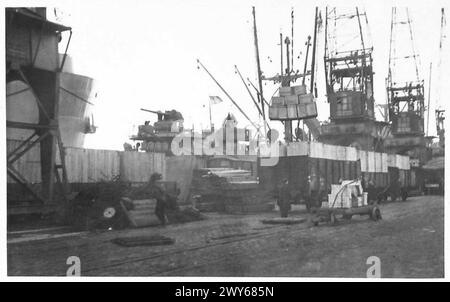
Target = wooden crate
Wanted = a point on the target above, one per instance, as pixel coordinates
(306, 98)
(292, 111)
(285, 91)
(299, 89)
(291, 100)
(278, 101)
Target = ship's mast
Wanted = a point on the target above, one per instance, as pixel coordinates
(326, 50)
(286, 83)
(313, 59)
(292, 38)
(429, 98)
(308, 44)
(293, 103)
(281, 53)
(440, 112)
(258, 66)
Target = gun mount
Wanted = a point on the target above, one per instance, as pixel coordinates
(158, 137)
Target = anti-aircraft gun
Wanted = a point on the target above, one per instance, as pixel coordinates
(158, 137)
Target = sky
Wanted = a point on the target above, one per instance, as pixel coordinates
(143, 54)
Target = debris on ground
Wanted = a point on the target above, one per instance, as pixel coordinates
(188, 214)
(287, 220)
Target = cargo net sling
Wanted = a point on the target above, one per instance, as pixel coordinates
(293, 103)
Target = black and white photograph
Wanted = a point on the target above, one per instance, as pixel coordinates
(299, 140)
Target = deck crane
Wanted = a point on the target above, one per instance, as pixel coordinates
(405, 90)
(349, 80)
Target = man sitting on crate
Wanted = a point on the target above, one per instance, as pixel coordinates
(284, 198)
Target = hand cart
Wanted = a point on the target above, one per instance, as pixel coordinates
(330, 214)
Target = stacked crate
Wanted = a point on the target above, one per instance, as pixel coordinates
(341, 195)
(293, 103)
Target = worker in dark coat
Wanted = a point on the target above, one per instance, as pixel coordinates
(156, 192)
(371, 191)
(284, 198)
(322, 194)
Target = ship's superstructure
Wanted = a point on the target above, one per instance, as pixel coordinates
(167, 135)
(158, 137)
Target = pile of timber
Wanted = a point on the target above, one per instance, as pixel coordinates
(228, 190)
(206, 191)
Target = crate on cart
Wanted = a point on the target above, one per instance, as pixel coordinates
(346, 199)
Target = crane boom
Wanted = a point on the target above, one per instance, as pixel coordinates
(229, 97)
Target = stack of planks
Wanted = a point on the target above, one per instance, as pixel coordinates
(206, 191)
(228, 190)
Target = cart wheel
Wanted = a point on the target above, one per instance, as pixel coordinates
(333, 219)
(109, 212)
(375, 214)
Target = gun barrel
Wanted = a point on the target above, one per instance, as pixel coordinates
(152, 111)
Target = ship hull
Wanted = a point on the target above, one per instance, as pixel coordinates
(75, 104)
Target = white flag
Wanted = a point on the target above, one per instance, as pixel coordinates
(215, 99)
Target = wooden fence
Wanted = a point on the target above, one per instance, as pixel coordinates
(92, 165)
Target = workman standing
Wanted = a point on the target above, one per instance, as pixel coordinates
(284, 200)
(156, 192)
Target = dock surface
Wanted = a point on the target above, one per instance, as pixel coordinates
(409, 241)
